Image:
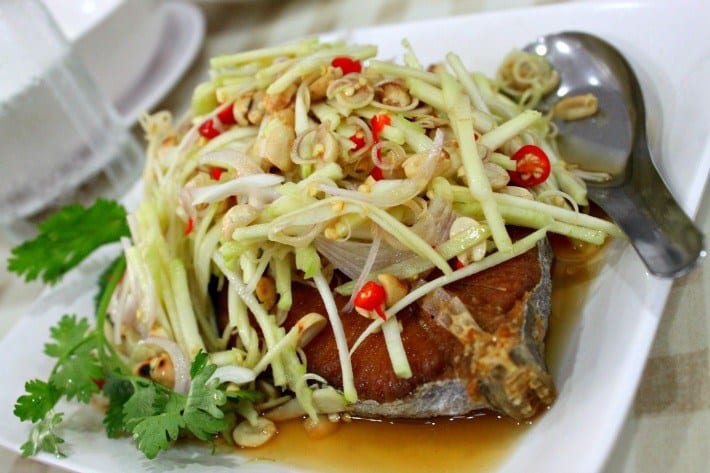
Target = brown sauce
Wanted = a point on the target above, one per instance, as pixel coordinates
(477, 443)
(573, 270)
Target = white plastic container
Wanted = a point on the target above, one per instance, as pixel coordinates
(58, 132)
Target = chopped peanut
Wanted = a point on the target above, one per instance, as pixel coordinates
(497, 176)
(319, 87)
(238, 216)
(256, 108)
(162, 370)
(247, 435)
(395, 94)
(266, 291)
(273, 102)
(286, 116)
(517, 191)
(476, 252)
(275, 145)
(158, 368)
(395, 288)
(412, 165)
(576, 107)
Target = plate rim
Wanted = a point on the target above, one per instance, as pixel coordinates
(662, 286)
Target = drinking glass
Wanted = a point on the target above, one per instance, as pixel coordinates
(60, 139)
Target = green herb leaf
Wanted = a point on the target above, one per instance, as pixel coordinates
(203, 415)
(118, 390)
(156, 415)
(106, 277)
(199, 363)
(76, 373)
(155, 433)
(41, 397)
(67, 334)
(251, 395)
(77, 370)
(141, 404)
(43, 438)
(66, 238)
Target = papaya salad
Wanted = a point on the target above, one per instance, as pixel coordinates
(310, 163)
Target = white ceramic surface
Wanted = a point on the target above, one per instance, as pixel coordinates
(182, 32)
(669, 46)
(116, 39)
(77, 18)
(135, 50)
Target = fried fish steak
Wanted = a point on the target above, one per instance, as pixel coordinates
(475, 344)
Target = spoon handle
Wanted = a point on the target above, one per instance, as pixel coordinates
(664, 237)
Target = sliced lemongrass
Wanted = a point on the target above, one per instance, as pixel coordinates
(405, 72)
(239, 186)
(366, 269)
(426, 92)
(233, 374)
(265, 322)
(495, 138)
(316, 60)
(519, 247)
(459, 110)
(185, 313)
(411, 267)
(339, 333)
(395, 348)
(264, 54)
(467, 82)
(274, 352)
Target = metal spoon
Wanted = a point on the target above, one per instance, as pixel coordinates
(614, 141)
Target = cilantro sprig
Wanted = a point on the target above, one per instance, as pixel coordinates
(86, 363)
(66, 238)
(157, 416)
(83, 357)
(152, 414)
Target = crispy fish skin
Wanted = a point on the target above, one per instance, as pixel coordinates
(475, 344)
(501, 368)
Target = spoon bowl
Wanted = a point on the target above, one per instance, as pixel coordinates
(613, 142)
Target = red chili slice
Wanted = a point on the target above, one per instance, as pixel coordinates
(376, 173)
(189, 226)
(216, 173)
(532, 166)
(208, 130)
(347, 64)
(371, 296)
(358, 140)
(378, 123)
(226, 116)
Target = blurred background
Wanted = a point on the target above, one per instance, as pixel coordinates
(76, 74)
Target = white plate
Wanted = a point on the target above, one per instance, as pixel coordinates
(669, 46)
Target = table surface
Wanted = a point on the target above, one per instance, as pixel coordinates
(666, 429)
